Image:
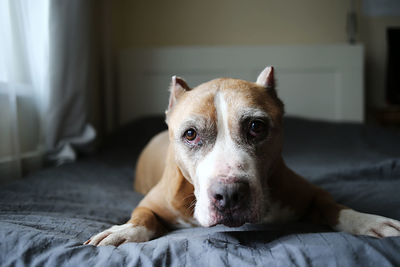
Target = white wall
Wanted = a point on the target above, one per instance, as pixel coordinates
(155, 23)
(317, 82)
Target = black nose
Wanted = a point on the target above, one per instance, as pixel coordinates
(229, 196)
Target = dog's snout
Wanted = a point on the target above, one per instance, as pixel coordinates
(229, 196)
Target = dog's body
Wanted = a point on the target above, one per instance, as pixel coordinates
(220, 163)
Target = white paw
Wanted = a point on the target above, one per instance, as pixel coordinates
(120, 234)
(367, 224)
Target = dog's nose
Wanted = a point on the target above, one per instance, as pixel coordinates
(229, 196)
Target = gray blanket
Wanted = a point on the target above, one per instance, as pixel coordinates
(45, 218)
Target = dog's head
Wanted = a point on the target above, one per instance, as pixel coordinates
(226, 135)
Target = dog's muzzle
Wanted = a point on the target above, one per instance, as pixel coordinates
(230, 202)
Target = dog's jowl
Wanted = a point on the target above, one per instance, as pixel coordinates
(217, 163)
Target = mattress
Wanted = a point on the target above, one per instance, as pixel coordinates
(45, 218)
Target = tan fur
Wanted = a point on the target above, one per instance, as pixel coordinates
(172, 196)
(151, 163)
(309, 201)
(145, 216)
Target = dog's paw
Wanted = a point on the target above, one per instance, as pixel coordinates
(120, 234)
(367, 224)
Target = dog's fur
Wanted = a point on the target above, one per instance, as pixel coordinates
(235, 153)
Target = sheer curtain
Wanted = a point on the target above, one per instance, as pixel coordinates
(70, 77)
(24, 68)
(44, 80)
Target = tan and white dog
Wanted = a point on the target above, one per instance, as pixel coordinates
(220, 162)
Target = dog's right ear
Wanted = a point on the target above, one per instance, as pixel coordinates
(177, 88)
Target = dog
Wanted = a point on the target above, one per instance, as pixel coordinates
(220, 162)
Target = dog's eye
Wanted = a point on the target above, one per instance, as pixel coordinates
(256, 128)
(190, 134)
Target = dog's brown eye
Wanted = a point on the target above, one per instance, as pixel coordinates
(256, 128)
(190, 134)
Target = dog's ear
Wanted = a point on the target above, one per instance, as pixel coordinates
(266, 78)
(177, 88)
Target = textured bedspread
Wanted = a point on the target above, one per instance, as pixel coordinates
(44, 219)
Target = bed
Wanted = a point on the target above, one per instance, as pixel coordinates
(45, 218)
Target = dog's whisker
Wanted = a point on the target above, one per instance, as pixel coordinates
(192, 205)
(188, 196)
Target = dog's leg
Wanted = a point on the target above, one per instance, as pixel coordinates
(169, 201)
(342, 218)
(143, 226)
(145, 222)
(318, 206)
(367, 224)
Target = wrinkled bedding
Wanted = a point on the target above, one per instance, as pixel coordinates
(45, 218)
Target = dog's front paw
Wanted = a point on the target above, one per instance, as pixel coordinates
(120, 234)
(367, 224)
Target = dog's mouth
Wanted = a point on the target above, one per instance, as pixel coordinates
(234, 218)
(231, 221)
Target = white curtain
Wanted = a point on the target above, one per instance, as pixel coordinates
(70, 72)
(44, 80)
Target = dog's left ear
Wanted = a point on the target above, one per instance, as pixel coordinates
(177, 88)
(266, 78)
